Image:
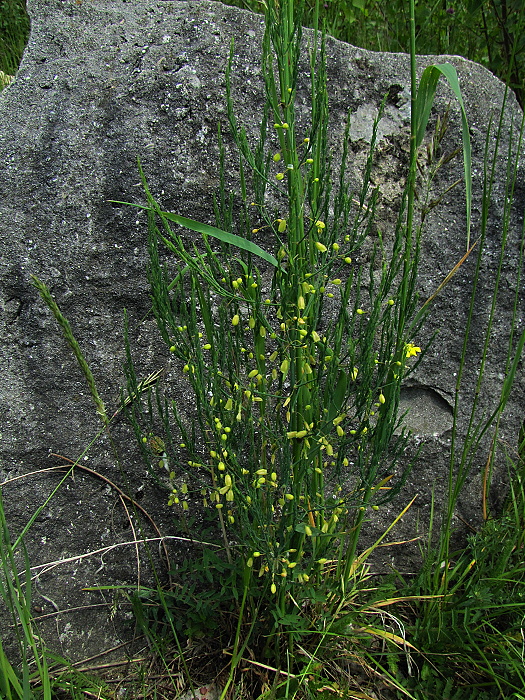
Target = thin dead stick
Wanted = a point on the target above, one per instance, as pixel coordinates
(78, 557)
(127, 498)
(265, 666)
(485, 480)
(85, 693)
(468, 525)
(447, 278)
(132, 526)
(68, 611)
(104, 653)
(24, 476)
(114, 664)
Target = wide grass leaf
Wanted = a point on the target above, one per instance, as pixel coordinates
(207, 230)
(424, 100)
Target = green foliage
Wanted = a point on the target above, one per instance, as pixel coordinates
(14, 34)
(295, 384)
(424, 100)
(476, 616)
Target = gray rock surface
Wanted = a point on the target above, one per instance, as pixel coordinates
(106, 81)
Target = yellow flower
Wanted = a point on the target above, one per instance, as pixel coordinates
(411, 350)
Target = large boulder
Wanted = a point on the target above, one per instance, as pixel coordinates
(102, 83)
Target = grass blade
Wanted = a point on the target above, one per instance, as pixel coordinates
(207, 230)
(424, 101)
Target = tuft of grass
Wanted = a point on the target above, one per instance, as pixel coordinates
(295, 372)
(33, 677)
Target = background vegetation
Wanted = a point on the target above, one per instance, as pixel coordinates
(14, 34)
